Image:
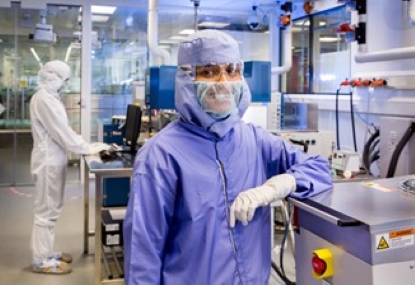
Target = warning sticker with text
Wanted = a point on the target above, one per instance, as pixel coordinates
(380, 187)
(395, 239)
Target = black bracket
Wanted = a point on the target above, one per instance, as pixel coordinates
(361, 6)
(287, 7)
(360, 33)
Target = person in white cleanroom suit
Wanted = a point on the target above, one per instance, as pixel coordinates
(53, 138)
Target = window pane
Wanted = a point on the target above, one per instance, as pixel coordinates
(331, 52)
(320, 56)
(298, 77)
(119, 61)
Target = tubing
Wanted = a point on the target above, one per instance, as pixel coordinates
(397, 152)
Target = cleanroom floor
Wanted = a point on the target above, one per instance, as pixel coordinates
(16, 219)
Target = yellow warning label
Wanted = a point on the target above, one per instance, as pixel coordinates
(383, 244)
(379, 187)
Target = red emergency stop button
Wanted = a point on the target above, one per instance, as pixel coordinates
(322, 263)
(319, 265)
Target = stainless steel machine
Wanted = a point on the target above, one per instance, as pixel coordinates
(359, 233)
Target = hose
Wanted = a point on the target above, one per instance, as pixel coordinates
(353, 124)
(375, 156)
(303, 143)
(397, 152)
(366, 150)
(337, 119)
(280, 270)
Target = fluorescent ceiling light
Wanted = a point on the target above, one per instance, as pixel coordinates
(211, 24)
(35, 54)
(168, 42)
(100, 18)
(68, 52)
(186, 32)
(302, 23)
(106, 10)
(329, 39)
(176, 38)
(307, 23)
(298, 29)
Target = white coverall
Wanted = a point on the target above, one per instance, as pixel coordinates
(52, 139)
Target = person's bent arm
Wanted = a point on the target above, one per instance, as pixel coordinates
(55, 120)
(290, 171)
(311, 172)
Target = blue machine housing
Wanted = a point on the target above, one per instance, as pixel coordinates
(112, 134)
(160, 83)
(115, 191)
(258, 76)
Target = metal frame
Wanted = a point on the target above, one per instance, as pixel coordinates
(100, 174)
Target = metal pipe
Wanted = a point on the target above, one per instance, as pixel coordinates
(152, 35)
(114, 256)
(105, 261)
(287, 53)
(196, 5)
(22, 110)
(8, 104)
(411, 12)
(386, 55)
(387, 73)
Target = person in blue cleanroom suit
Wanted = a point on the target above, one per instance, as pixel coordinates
(197, 211)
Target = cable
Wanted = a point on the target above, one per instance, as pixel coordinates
(303, 143)
(337, 119)
(353, 124)
(397, 152)
(366, 152)
(280, 270)
(374, 145)
(375, 156)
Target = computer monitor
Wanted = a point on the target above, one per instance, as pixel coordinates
(132, 127)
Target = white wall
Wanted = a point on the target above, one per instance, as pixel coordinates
(252, 45)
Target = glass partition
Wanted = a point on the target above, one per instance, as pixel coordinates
(320, 55)
(119, 62)
(298, 79)
(23, 50)
(331, 52)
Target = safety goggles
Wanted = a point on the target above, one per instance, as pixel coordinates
(214, 72)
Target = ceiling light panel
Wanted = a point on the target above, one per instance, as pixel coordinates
(105, 10)
(100, 18)
(186, 32)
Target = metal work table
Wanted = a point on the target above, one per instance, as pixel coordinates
(368, 226)
(92, 166)
(375, 206)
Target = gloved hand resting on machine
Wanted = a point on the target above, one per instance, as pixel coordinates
(274, 189)
(97, 147)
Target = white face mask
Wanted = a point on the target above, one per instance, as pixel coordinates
(219, 99)
(63, 86)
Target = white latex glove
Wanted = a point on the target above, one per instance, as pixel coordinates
(97, 147)
(275, 188)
